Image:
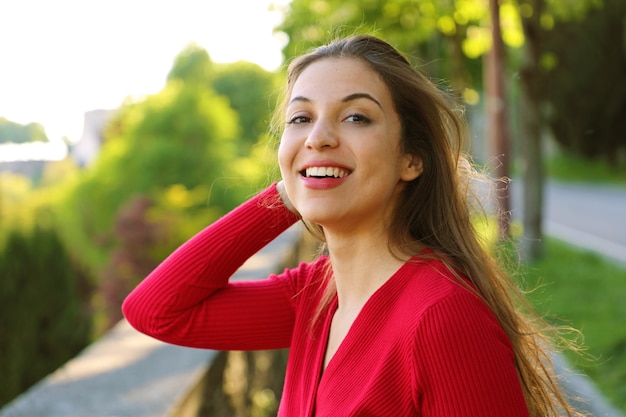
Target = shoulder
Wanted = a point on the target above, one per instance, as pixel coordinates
(425, 300)
(428, 282)
(450, 317)
(437, 310)
(463, 360)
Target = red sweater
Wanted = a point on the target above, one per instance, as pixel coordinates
(421, 346)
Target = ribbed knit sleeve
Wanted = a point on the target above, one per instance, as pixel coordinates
(188, 300)
(466, 362)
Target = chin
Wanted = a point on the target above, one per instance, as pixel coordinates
(315, 216)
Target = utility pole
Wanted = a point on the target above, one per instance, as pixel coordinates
(498, 128)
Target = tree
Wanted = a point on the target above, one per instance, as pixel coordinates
(537, 17)
(192, 65)
(497, 109)
(133, 258)
(44, 309)
(436, 34)
(251, 92)
(586, 85)
(184, 135)
(180, 152)
(531, 245)
(18, 133)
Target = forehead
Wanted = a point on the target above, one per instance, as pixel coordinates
(339, 77)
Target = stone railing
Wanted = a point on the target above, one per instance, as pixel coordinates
(126, 373)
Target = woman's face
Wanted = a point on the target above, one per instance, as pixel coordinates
(340, 153)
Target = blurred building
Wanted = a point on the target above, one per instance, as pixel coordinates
(88, 147)
(29, 159)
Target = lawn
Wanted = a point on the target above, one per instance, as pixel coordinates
(585, 290)
(581, 289)
(570, 168)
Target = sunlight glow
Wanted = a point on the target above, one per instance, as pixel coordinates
(61, 59)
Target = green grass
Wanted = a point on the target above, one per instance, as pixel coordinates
(583, 290)
(569, 168)
(580, 289)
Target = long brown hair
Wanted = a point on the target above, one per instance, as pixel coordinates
(434, 210)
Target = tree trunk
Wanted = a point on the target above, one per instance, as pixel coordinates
(498, 133)
(532, 245)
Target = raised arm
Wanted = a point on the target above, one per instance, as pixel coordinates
(188, 300)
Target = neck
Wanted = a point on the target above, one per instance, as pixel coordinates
(361, 265)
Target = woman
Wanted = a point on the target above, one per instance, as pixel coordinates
(407, 315)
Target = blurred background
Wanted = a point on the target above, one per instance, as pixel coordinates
(127, 126)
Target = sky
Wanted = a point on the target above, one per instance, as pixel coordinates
(59, 59)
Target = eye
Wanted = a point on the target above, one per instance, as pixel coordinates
(296, 120)
(358, 118)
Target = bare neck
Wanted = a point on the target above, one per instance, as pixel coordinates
(360, 265)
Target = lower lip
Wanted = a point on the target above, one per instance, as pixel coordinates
(322, 183)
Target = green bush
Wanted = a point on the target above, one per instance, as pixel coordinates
(43, 317)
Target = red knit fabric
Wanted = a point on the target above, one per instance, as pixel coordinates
(421, 346)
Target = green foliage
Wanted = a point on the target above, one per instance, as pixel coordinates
(43, 319)
(439, 35)
(182, 135)
(24, 205)
(171, 164)
(581, 289)
(572, 9)
(311, 23)
(17, 133)
(133, 258)
(580, 43)
(192, 65)
(55, 173)
(182, 149)
(585, 86)
(14, 189)
(252, 94)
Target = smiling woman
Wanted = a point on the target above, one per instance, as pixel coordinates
(406, 314)
(346, 122)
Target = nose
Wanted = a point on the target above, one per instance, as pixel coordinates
(321, 136)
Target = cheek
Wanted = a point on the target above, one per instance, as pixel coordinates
(284, 157)
(286, 153)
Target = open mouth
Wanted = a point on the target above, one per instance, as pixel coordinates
(324, 172)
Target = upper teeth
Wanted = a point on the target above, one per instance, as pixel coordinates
(326, 172)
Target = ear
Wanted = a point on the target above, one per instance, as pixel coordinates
(412, 167)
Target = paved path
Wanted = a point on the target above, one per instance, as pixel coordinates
(593, 218)
(589, 216)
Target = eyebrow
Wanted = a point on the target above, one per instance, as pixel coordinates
(346, 99)
(357, 96)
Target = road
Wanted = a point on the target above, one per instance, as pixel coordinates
(589, 216)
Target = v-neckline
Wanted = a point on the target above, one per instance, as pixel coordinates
(332, 309)
(328, 322)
